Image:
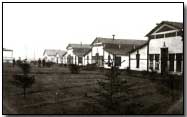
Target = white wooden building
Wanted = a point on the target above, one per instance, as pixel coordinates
(7, 55)
(164, 50)
(103, 49)
(165, 47)
(74, 54)
(52, 55)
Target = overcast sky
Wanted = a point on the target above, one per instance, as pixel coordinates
(31, 28)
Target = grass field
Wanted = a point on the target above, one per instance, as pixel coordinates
(57, 91)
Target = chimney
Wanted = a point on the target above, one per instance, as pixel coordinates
(113, 36)
(81, 43)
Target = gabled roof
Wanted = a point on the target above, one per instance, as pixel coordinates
(60, 52)
(117, 41)
(80, 51)
(78, 46)
(53, 52)
(178, 25)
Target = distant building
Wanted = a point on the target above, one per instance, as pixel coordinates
(103, 51)
(53, 55)
(7, 55)
(163, 52)
(75, 52)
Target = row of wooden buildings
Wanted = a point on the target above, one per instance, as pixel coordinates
(162, 52)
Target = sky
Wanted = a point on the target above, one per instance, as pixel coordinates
(29, 29)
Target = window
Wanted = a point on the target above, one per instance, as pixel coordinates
(160, 36)
(157, 61)
(97, 57)
(170, 34)
(87, 59)
(151, 56)
(75, 59)
(137, 60)
(80, 60)
(118, 61)
(179, 62)
(109, 60)
(171, 62)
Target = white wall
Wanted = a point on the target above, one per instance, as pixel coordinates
(174, 44)
(90, 58)
(97, 49)
(143, 59)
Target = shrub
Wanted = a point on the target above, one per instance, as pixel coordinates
(91, 67)
(74, 69)
(49, 64)
(25, 68)
(128, 70)
(144, 73)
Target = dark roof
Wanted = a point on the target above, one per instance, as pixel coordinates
(78, 46)
(80, 51)
(118, 52)
(87, 51)
(138, 47)
(118, 46)
(4, 49)
(123, 49)
(118, 41)
(178, 25)
(53, 52)
(64, 54)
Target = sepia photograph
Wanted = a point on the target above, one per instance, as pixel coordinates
(62, 58)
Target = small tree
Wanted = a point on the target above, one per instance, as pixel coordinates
(112, 89)
(24, 80)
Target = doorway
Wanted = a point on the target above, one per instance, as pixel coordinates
(164, 60)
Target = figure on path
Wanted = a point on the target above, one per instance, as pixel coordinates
(39, 63)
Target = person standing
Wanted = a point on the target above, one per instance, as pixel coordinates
(13, 62)
(39, 63)
(43, 62)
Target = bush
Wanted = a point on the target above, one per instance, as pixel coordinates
(144, 73)
(25, 68)
(91, 67)
(153, 74)
(74, 69)
(128, 70)
(49, 64)
(18, 62)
